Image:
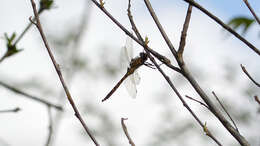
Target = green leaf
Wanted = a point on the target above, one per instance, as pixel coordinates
(241, 21)
(45, 5)
(11, 47)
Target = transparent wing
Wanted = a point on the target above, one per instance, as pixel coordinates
(126, 56)
(129, 48)
(130, 86)
(136, 77)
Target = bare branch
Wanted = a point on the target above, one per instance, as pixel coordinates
(257, 100)
(69, 97)
(158, 24)
(213, 108)
(225, 110)
(50, 127)
(35, 98)
(15, 110)
(197, 101)
(252, 11)
(248, 75)
(126, 132)
(224, 25)
(184, 32)
(157, 66)
(185, 72)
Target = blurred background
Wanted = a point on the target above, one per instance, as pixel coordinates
(87, 46)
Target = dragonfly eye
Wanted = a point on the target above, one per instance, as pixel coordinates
(143, 55)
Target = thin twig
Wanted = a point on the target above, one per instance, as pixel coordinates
(225, 110)
(50, 127)
(126, 131)
(83, 26)
(69, 97)
(252, 11)
(158, 24)
(257, 100)
(248, 75)
(224, 25)
(208, 133)
(197, 101)
(15, 110)
(23, 33)
(185, 72)
(184, 32)
(35, 98)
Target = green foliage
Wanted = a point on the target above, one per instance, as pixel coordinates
(45, 5)
(241, 21)
(11, 47)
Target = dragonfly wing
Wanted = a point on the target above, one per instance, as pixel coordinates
(136, 78)
(127, 53)
(129, 47)
(130, 86)
(125, 61)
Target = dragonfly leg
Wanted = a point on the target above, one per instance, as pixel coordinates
(149, 65)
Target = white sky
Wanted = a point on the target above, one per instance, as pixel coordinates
(206, 47)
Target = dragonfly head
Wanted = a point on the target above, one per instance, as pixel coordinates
(143, 56)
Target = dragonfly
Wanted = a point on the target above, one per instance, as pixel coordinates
(131, 77)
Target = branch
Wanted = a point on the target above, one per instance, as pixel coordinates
(50, 127)
(69, 97)
(184, 32)
(158, 24)
(257, 100)
(213, 108)
(185, 72)
(197, 101)
(248, 75)
(224, 25)
(225, 110)
(15, 110)
(35, 98)
(167, 78)
(126, 131)
(252, 11)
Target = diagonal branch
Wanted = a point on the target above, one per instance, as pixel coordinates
(57, 68)
(251, 46)
(208, 133)
(225, 110)
(186, 73)
(14, 110)
(126, 132)
(184, 32)
(248, 75)
(257, 100)
(252, 11)
(35, 98)
(197, 101)
(158, 24)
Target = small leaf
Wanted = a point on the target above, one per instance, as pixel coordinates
(102, 3)
(146, 40)
(241, 21)
(11, 47)
(45, 5)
